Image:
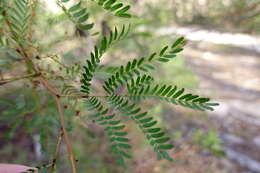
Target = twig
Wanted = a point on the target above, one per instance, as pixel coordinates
(51, 90)
(56, 154)
(66, 137)
(8, 80)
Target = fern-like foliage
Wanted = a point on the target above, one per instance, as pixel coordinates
(142, 65)
(77, 14)
(171, 94)
(140, 85)
(99, 50)
(140, 82)
(19, 20)
(118, 8)
(113, 128)
(146, 123)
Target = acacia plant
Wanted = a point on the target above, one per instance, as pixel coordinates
(123, 90)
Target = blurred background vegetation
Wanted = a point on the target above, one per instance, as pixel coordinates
(226, 140)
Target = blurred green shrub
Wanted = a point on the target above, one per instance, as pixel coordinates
(209, 140)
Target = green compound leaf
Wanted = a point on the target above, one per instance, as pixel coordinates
(119, 9)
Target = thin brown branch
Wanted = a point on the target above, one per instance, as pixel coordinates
(33, 67)
(66, 136)
(50, 89)
(53, 92)
(57, 150)
(8, 80)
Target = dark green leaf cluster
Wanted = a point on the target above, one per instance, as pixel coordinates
(118, 8)
(139, 82)
(142, 65)
(114, 129)
(173, 95)
(99, 50)
(78, 15)
(135, 76)
(147, 124)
